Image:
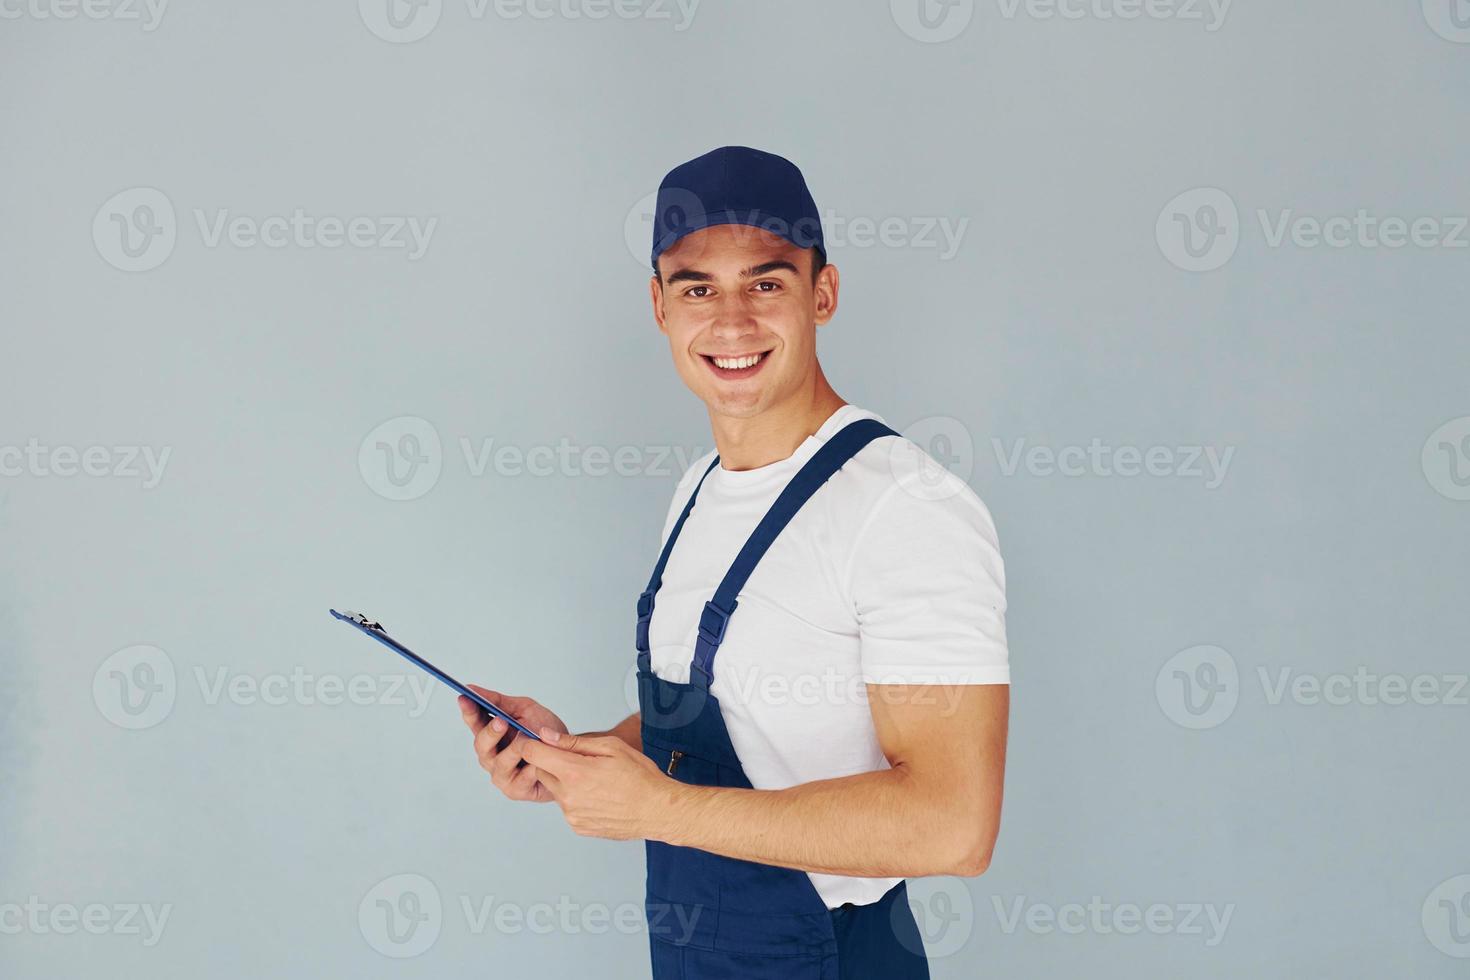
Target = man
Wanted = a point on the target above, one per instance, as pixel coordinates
(792, 762)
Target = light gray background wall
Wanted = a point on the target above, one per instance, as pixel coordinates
(1239, 688)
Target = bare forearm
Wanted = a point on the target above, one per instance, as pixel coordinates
(876, 824)
(630, 730)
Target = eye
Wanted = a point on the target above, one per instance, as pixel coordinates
(761, 287)
(697, 292)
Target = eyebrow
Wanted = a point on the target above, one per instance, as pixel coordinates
(693, 275)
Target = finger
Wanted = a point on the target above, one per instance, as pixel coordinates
(547, 757)
(494, 697)
(583, 744)
(522, 785)
(474, 716)
(503, 768)
(548, 779)
(487, 744)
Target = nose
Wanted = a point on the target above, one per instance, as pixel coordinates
(735, 316)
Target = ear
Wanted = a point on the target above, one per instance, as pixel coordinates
(825, 293)
(656, 296)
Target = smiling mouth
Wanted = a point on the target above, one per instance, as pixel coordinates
(735, 367)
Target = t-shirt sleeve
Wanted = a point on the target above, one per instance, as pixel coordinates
(928, 586)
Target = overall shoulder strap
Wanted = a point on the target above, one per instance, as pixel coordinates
(808, 480)
(645, 601)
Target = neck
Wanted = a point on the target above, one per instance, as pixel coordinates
(774, 434)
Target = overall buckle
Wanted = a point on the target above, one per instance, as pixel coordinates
(712, 623)
(645, 613)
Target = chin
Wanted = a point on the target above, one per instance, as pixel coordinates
(742, 406)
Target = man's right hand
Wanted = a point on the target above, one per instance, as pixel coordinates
(503, 762)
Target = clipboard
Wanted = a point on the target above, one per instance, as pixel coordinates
(375, 630)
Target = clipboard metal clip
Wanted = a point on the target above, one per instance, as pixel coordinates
(362, 621)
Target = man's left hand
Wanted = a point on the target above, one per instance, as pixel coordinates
(604, 786)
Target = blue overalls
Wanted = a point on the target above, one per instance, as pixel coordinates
(717, 918)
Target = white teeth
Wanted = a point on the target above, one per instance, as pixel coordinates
(735, 363)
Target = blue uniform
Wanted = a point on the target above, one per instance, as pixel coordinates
(718, 918)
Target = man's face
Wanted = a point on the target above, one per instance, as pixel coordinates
(741, 312)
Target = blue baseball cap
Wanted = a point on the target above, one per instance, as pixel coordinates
(736, 185)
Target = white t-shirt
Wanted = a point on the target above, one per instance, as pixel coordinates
(889, 574)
